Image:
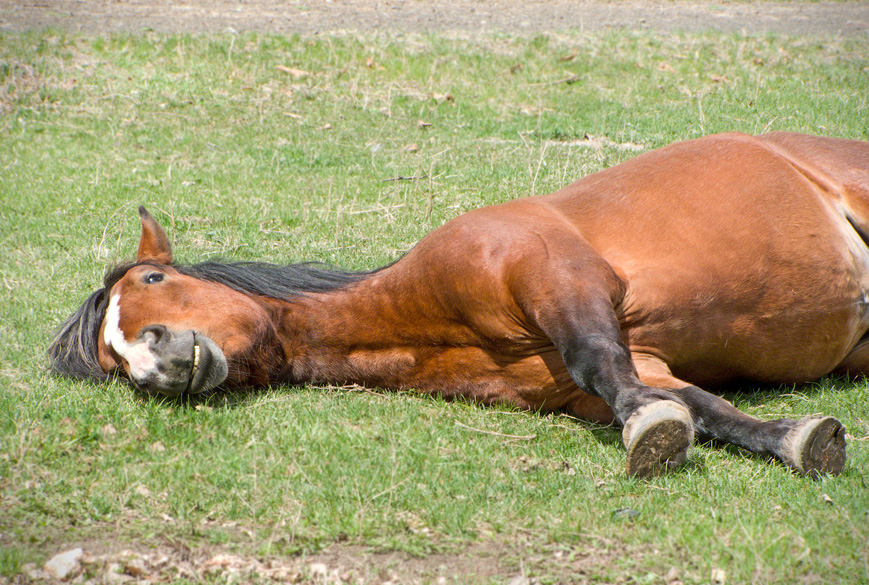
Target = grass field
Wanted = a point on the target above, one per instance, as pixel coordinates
(347, 149)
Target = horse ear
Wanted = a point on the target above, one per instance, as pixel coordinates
(154, 245)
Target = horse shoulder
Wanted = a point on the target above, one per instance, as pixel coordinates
(483, 280)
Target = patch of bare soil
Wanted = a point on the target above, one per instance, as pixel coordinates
(849, 18)
(516, 563)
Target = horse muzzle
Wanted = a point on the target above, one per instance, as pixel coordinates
(170, 363)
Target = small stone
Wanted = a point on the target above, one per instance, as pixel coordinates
(625, 513)
(64, 565)
(115, 575)
(136, 567)
(319, 569)
(89, 559)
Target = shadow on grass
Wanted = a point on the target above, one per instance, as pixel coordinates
(251, 397)
(745, 393)
(749, 394)
(744, 396)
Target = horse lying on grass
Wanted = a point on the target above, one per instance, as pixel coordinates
(729, 257)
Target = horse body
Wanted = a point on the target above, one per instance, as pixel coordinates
(708, 260)
(735, 275)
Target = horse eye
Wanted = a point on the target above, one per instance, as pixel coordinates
(153, 278)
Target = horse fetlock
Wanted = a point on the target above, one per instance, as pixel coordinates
(657, 436)
(815, 446)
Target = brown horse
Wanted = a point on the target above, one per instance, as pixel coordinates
(730, 257)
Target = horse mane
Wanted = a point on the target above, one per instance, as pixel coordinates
(274, 281)
(74, 351)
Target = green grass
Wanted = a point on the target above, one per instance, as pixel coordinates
(240, 159)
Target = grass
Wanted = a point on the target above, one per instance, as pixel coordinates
(347, 149)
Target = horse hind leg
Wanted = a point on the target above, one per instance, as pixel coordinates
(856, 363)
(812, 446)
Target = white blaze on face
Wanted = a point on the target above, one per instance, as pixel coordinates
(137, 355)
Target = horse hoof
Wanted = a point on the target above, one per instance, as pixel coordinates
(816, 446)
(657, 437)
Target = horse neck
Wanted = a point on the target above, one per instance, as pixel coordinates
(366, 333)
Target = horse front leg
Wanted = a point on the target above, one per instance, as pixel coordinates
(657, 425)
(572, 303)
(812, 446)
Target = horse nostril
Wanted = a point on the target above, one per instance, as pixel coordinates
(157, 332)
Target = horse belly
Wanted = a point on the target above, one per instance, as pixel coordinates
(789, 326)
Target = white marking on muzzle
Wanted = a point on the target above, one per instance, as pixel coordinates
(138, 355)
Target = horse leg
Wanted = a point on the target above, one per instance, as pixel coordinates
(574, 307)
(812, 445)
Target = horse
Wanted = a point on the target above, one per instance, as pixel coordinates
(616, 299)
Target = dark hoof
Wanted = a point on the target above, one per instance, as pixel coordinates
(816, 447)
(657, 437)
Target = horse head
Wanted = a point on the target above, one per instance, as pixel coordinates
(166, 330)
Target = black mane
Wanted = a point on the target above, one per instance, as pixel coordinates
(74, 349)
(274, 281)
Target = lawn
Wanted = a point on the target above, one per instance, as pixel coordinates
(347, 149)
